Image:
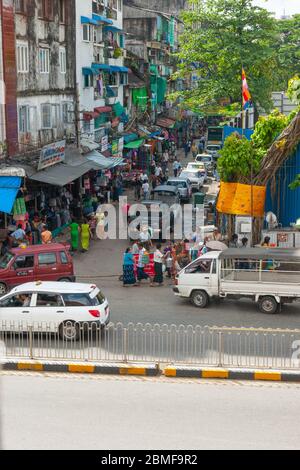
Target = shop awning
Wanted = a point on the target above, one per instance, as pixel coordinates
(166, 123)
(89, 71)
(103, 162)
(119, 68)
(74, 166)
(61, 175)
(9, 188)
(103, 109)
(88, 116)
(130, 138)
(113, 29)
(102, 19)
(86, 20)
(135, 144)
(103, 67)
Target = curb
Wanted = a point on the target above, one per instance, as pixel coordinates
(232, 374)
(82, 368)
(152, 370)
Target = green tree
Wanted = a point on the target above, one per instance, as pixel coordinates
(237, 158)
(287, 49)
(241, 158)
(219, 37)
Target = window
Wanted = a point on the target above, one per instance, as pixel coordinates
(5, 260)
(23, 262)
(62, 60)
(77, 300)
(22, 57)
(87, 32)
(20, 300)
(66, 113)
(201, 266)
(46, 259)
(56, 119)
(86, 126)
(21, 6)
(24, 119)
(49, 300)
(88, 81)
(44, 60)
(62, 11)
(112, 79)
(46, 116)
(123, 79)
(45, 9)
(63, 258)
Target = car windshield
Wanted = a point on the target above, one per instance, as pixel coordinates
(165, 197)
(206, 159)
(190, 174)
(195, 166)
(177, 184)
(5, 260)
(213, 148)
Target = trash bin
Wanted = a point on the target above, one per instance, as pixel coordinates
(199, 198)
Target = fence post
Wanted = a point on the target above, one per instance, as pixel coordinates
(125, 344)
(220, 341)
(30, 342)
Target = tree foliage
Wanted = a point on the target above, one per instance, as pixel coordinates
(241, 158)
(236, 159)
(221, 36)
(287, 50)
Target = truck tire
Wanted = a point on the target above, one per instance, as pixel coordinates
(200, 299)
(268, 305)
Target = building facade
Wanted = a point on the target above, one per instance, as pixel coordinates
(45, 64)
(2, 97)
(100, 71)
(151, 38)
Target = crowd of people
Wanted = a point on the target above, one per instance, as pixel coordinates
(152, 262)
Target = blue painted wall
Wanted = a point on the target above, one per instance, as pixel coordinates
(228, 130)
(286, 203)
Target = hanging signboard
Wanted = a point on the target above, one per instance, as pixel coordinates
(104, 143)
(115, 147)
(52, 154)
(121, 145)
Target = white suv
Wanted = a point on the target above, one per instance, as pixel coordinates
(53, 307)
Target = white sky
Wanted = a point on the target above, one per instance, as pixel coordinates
(278, 6)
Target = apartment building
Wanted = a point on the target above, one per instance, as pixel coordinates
(45, 66)
(101, 74)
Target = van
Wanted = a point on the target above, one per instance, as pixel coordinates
(270, 277)
(51, 262)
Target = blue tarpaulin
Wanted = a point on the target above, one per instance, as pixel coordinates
(9, 188)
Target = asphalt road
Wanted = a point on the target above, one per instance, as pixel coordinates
(76, 412)
(103, 265)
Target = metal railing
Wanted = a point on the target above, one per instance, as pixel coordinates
(166, 344)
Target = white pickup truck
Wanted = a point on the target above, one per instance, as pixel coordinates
(270, 277)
